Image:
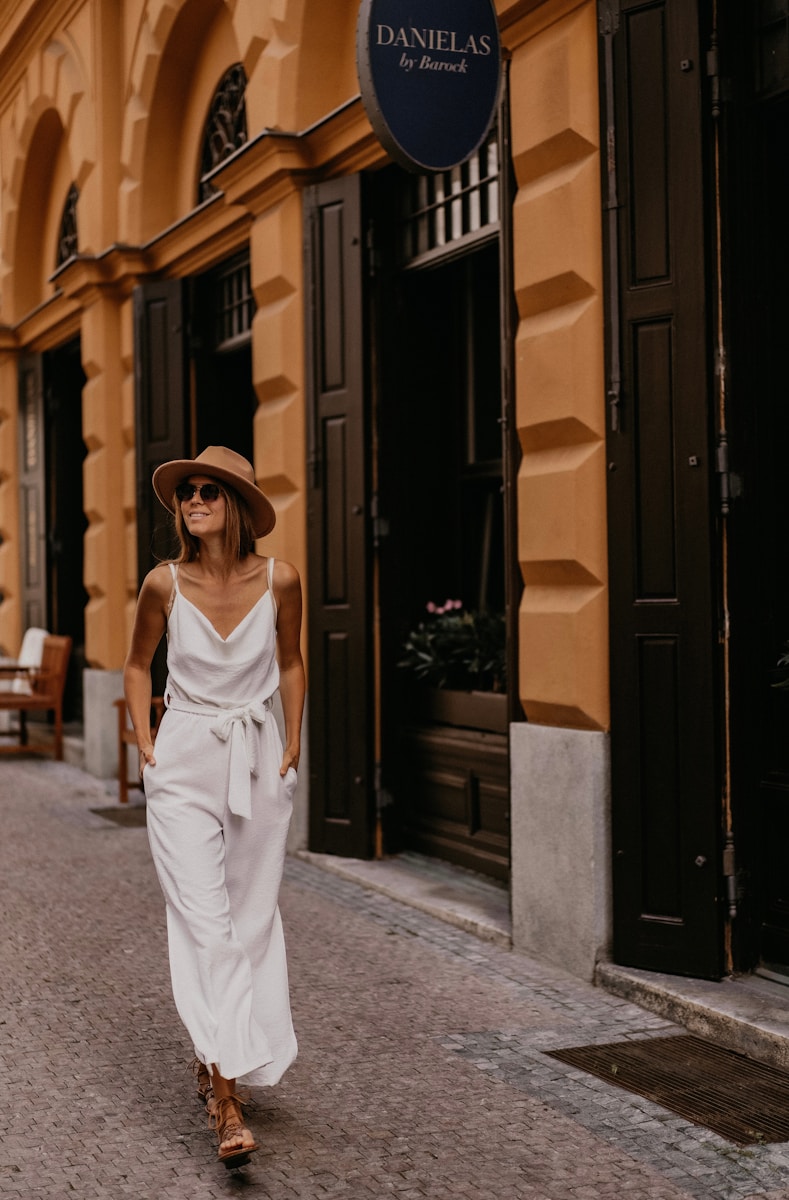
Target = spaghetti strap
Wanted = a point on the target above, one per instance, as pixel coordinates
(270, 574)
(174, 572)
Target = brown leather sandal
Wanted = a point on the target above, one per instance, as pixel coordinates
(205, 1087)
(227, 1119)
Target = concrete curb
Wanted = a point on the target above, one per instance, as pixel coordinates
(476, 908)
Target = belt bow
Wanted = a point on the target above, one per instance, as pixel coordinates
(238, 726)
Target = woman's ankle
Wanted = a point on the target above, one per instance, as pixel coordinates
(222, 1087)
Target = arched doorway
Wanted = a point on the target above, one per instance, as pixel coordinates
(193, 344)
(53, 527)
(442, 593)
(406, 507)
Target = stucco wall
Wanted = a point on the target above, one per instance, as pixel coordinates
(559, 766)
(559, 368)
(122, 103)
(118, 106)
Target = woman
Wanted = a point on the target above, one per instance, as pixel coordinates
(219, 786)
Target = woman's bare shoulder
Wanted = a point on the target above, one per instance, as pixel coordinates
(285, 574)
(158, 583)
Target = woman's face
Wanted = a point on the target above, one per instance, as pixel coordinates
(202, 516)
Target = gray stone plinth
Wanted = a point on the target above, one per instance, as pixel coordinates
(561, 859)
(100, 689)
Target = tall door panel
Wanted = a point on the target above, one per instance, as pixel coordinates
(32, 492)
(755, 49)
(162, 410)
(64, 380)
(162, 421)
(665, 775)
(341, 720)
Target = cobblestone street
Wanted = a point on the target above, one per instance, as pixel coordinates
(422, 1069)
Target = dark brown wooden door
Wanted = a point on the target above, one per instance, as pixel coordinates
(64, 380)
(162, 408)
(341, 705)
(32, 493)
(162, 421)
(445, 761)
(766, 723)
(755, 48)
(665, 779)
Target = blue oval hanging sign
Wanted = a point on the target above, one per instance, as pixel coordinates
(429, 72)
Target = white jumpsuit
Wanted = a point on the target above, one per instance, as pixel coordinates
(218, 814)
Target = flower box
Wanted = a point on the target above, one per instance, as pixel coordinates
(465, 710)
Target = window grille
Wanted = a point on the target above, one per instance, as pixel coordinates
(448, 210)
(226, 127)
(772, 46)
(67, 239)
(234, 305)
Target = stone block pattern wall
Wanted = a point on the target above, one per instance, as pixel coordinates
(106, 539)
(560, 401)
(278, 366)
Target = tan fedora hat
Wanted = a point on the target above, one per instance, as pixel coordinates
(226, 466)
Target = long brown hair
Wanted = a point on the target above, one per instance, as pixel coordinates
(239, 531)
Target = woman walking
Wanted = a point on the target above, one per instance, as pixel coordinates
(219, 786)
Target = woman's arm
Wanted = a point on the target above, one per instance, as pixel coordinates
(149, 625)
(287, 593)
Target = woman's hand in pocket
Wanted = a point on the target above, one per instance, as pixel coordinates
(146, 757)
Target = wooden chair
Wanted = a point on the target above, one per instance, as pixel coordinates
(126, 737)
(15, 672)
(47, 683)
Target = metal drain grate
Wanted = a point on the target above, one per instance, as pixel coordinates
(744, 1101)
(132, 817)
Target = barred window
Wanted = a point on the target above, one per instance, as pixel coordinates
(234, 305)
(451, 209)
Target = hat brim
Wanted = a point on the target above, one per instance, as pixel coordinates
(167, 477)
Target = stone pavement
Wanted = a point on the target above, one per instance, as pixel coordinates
(422, 1070)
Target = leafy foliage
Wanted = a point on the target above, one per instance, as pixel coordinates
(453, 648)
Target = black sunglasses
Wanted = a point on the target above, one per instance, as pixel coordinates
(206, 491)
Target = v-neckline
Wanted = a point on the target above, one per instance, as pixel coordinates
(211, 624)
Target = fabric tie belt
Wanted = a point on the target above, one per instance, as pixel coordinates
(236, 725)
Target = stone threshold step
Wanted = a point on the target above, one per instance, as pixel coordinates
(451, 894)
(746, 1013)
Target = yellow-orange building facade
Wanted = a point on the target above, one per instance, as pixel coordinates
(112, 97)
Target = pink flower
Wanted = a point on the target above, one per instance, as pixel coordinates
(447, 607)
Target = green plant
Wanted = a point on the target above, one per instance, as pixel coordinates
(453, 648)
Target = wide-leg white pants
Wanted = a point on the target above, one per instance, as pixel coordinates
(220, 875)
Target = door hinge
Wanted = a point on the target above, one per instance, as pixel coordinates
(720, 86)
(608, 17)
(729, 484)
(730, 874)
